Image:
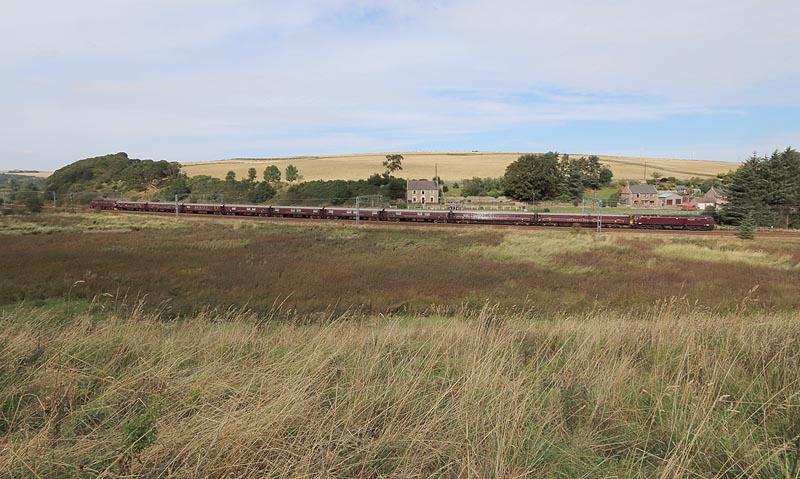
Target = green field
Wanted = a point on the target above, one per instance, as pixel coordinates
(152, 347)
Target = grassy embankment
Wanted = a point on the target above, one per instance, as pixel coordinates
(659, 358)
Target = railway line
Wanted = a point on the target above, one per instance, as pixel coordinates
(774, 234)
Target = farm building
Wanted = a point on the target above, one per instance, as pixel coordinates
(639, 196)
(422, 192)
(669, 199)
(713, 197)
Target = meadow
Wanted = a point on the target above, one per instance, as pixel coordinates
(193, 263)
(451, 166)
(152, 347)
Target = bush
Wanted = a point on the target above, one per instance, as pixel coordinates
(32, 201)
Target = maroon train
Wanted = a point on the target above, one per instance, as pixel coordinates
(683, 222)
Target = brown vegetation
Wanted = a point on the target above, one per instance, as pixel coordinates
(192, 264)
(149, 347)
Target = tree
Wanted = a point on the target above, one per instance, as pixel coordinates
(251, 175)
(272, 174)
(747, 228)
(606, 175)
(32, 201)
(393, 163)
(291, 173)
(230, 177)
(766, 188)
(261, 193)
(533, 177)
(573, 183)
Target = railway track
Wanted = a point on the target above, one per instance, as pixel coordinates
(770, 234)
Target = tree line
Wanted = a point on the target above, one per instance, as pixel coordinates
(765, 191)
(248, 189)
(549, 176)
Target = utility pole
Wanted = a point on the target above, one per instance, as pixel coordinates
(361, 198)
(177, 209)
(599, 204)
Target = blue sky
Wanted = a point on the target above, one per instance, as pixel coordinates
(207, 79)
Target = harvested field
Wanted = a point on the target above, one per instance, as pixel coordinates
(451, 166)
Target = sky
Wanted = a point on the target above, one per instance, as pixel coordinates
(190, 80)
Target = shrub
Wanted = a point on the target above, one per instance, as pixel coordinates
(32, 201)
(140, 431)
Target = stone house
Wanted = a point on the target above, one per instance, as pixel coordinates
(422, 192)
(639, 196)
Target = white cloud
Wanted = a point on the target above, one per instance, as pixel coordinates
(93, 74)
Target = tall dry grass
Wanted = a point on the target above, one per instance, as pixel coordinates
(114, 391)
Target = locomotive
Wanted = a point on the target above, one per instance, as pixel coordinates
(637, 221)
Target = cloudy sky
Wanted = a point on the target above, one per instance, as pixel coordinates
(207, 79)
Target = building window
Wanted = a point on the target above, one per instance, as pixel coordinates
(413, 199)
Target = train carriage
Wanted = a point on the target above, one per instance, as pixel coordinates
(103, 204)
(242, 210)
(131, 206)
(428, 216)
(161, 207)
(677, 222)
(296, 211)
(202, 208)
(565, 219)
(366, 214)
(613, 221)
(495, 218)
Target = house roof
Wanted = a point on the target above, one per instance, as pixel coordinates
(643, 189)
(717, 191)
(668, 194)
(422, 185)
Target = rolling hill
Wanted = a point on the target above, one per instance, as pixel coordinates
(451, 166)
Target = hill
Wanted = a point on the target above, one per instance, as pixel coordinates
(451, 166)
(111, 172)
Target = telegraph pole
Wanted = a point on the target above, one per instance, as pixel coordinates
(177, 208)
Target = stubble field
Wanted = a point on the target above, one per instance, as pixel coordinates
(148, 347)
(451, 166)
